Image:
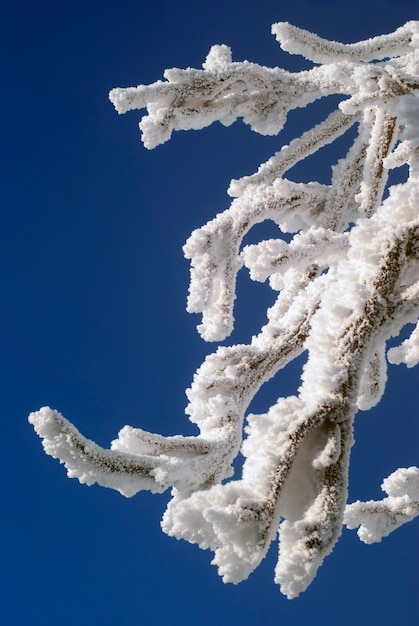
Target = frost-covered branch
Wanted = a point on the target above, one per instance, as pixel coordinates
(378, 519)
(347, 281)
(298, 41)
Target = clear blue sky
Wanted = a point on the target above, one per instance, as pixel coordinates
(94, 287)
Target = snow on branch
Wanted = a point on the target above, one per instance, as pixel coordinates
(298, 41)
(378, 519)
(346, 278)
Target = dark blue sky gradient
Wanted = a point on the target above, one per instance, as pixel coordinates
(94, 324)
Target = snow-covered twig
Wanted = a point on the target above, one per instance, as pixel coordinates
(346, 278)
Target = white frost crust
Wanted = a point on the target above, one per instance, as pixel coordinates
(87, 461)
(335, 125)
(225, 91)
(407, 352)
(312, 522)
(317, 245)
(214, 248)
(298, 41)
(377, 519)
(225, 520)
(407, 110)
(137, 461)
(351, 282)
(347, 282)
(218, 58)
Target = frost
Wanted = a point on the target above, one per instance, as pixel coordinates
(346, 278)
(218, 57)
(378, 519)
(407, 352)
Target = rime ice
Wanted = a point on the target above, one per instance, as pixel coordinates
(347, 281)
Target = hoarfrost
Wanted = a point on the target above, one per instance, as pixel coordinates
(346, 282)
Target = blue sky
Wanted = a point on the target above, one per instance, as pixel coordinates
(94, 289)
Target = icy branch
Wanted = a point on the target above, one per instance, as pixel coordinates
(346, 279)
(378, 519)
(298, 41)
